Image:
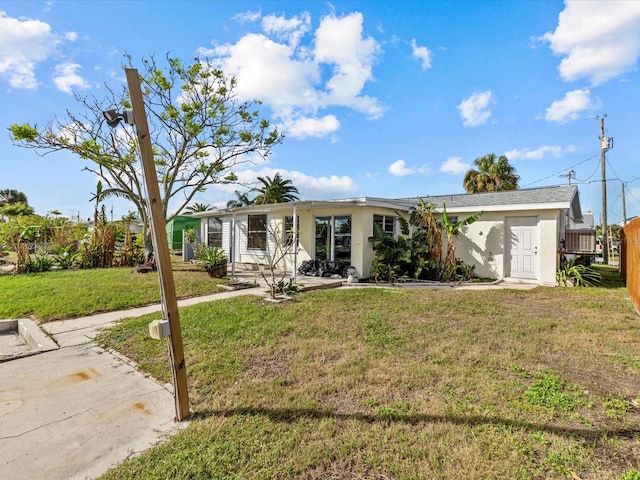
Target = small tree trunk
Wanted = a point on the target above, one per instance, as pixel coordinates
(148, 244)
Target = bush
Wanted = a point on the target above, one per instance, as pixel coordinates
(573, 272)
(41, 263)
(211, 259)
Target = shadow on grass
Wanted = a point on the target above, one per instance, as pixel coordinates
(292, 415)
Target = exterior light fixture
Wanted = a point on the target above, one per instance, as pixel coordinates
(113, 117)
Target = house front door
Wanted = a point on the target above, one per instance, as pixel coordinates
(522, 240)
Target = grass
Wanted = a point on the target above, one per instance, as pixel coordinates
(71, 293)
(402, 384)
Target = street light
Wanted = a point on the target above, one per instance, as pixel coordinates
(159, 234)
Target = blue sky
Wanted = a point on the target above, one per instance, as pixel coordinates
(380, 99)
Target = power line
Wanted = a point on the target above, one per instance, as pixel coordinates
(562, 171)
(615, 173)
(586, 180)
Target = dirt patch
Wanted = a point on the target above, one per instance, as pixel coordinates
(269, 364)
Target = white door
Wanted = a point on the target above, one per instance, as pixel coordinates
(521, 239)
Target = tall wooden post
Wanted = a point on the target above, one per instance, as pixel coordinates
(161, 247)
(603, 171)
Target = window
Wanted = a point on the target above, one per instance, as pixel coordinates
(214, 232)
(333, 238)
(386, 223)
(288, 231)
(257, 234)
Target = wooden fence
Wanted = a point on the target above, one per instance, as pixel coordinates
(630, 260)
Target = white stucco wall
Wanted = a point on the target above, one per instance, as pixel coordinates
(483, 243)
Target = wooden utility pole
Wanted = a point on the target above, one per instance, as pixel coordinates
(161, 247)
(605, 237)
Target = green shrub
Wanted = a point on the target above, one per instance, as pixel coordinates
(39, 264)
(573, 272)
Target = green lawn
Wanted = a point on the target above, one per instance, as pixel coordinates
(402, 384)
(72, 293)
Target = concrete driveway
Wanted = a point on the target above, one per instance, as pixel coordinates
(74, 412)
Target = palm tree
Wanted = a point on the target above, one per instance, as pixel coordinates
(241, 200)
(13, 203)
(9, 196)
(492, 175)
(275, 190)
(198, 207)
(452, 228)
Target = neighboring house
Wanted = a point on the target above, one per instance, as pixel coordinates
(518, 237)
(176, 227)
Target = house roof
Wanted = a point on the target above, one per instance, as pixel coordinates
(558, 197)
(524, 199)
(308, 204)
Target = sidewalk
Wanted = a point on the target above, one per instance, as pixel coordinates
(74, 412)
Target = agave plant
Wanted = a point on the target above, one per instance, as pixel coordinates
(574, 273)
(212, 259)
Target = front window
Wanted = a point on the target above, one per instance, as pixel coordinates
(333, 238)
(214, 232)
(257, 234)
(386, 223)
(289, 232)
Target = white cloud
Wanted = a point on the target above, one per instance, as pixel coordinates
(66, 78)
(289, 29)
(539, 153)
(423, 169)
(269, 71)
(421, 53)
(475, 109)
(23, 44)
(247, 16)
(399, 169)
(599, 40)
(455, 166)
(340, 43)
(571, 106)
(71, 36)
(323, 187)
(313, 127)
(297, 81)
(310, 188)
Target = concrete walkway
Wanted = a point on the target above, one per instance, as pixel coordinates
(74, 412)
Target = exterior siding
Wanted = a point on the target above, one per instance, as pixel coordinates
(481, 244)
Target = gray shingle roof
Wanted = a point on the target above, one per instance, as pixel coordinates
(548, 195)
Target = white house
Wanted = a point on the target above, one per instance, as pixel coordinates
(518, 237)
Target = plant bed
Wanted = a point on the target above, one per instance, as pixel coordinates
(217, 271)
(212, 260)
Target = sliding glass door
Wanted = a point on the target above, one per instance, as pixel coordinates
(333, 238)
